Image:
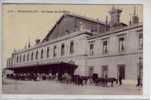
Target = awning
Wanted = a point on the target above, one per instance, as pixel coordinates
(55, 67)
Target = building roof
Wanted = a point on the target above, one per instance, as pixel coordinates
(77, 16)
(133, 26)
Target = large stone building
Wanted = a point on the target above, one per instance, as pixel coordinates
(107, 48)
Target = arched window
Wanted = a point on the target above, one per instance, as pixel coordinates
(28, 57)
(24, 57)
(140, 41)
(36, 56)
(41, 53)
(121, 44)
(48, 52)
(20, 58)
(17, 59)
(105, 46)
(91, 49)
(54, 51)
(32, 56)
(62, 49)
(71, 47)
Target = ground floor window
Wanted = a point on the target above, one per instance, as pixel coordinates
(90, 70)
(121, 71)
(104, 71)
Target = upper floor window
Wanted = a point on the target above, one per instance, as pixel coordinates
(62, 49)
(28, 57)
(54, 51)
(104, 71)
(48, 52)
(91, 49)
(36, 56)
(32, 56)
(42, 53)
(24, 57)
(20, 58)
(17, 58)
(71, 47)
(121, 44)
(105, 47)
(140, 41)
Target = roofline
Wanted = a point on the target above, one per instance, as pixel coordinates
(74, 15)
(87, 18)
(116, 30)
(55, 40)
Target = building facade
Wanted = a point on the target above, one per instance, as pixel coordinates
(109, 49)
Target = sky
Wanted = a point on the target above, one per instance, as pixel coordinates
(23, 23)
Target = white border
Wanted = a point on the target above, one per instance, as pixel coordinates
(147, 49)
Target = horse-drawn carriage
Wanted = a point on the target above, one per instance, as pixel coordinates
(94, 79)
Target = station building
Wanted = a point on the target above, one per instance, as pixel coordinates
(82, 46)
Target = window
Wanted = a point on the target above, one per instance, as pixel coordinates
(36, 57)
(121, 44)
(105, 47)
(104, 71)
(54, 51)
(24, 57)
(121, 71)
(41, 53)
(91, 49)
(140, 41)
(71, 47)
(28, 57)
(32, 56)
(91, 71)
(20, 58)
(47, 52)
(62, 49)
(82, 26)
(17, 59)
(94, 29)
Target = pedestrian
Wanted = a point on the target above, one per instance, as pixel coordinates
(120, 80)
(139, 80)
(105, 79)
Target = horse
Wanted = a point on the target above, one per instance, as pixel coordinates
(112, 80)
(105, 81)
(84, 79)
(77, 79)
(100, 81)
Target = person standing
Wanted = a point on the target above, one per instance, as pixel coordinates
(120, 80)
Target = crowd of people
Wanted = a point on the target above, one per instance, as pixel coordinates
(65, 78)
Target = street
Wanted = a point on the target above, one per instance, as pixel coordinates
(55, 87)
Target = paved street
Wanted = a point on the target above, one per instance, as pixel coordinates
(55, 87)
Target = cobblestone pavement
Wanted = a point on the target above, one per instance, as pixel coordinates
(55, 87)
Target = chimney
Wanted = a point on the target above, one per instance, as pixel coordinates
(130, 21)
(106, 23)
(115, 16)
(135, 18)
(98, 26)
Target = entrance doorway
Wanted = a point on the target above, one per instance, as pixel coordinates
(104, 71)
(121, 71)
